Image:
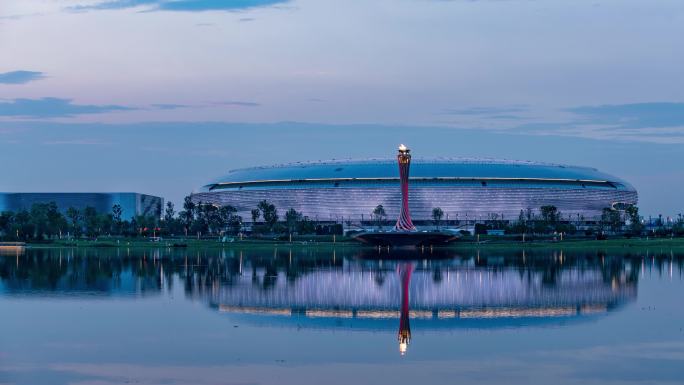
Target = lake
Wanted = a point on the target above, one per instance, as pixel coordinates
(340, 316)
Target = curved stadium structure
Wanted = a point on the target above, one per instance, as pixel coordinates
(465, 189)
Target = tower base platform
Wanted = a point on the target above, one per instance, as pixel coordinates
(406, 238)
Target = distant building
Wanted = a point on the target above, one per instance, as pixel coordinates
(132, 204)
(467, 190)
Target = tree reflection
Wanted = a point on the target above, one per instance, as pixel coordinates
(425, 288)
(111, 270)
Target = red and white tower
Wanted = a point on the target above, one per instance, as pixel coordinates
(404, 222)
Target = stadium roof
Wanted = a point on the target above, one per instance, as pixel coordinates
(420, 169)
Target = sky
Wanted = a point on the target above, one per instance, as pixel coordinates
(162, 96)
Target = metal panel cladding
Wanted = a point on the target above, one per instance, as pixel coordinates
(465, 189)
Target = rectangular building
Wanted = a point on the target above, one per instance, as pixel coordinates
(132, 204)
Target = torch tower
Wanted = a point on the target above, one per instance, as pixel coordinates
(405, 234)
(404, 222)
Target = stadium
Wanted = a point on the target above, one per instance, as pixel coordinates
(465, 189)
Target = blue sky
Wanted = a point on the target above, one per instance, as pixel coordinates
(209, 85)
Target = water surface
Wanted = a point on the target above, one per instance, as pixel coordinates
(312, 316)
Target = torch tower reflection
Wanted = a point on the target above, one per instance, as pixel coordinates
(404, 337)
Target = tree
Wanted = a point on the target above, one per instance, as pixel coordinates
(550, 218)
(219, 219)
(75, 223)
(437, 215)
(90, 220)
(117, 213)
(226, 216)
(678, 228)
(269, 212)
(379, 214)
(6, 219)
(521, 226)
(226, 213)
(255, 215)
(635, 225)
(105, 223)
(169, 220)
(187, 216)
(212, 217)
(549, 214)
(56, 221)
(233, 221)
(306, 226)
(292, 218)
(611, 218)
(23, 228)
(200, 222)
(39, 219)
(169, 212)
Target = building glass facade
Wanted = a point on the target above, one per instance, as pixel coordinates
(132, 204)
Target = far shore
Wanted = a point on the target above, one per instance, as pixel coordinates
(468, 243)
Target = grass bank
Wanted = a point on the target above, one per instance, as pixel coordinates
(633, 244)
(192, 243)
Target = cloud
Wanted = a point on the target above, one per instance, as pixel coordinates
(76, 142)
(181, 5)
(654, 122)
(505, 117)
(169, 106)
(52, 108)
(20, 77)
(484, 110)
(635, 115)
(237, 103)
(232, 103)
(20, 16)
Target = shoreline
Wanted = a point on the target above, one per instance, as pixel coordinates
(494, 245)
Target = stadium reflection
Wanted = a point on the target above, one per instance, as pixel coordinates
(351, 289)
(367, 293)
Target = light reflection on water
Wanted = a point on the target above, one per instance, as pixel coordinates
(341, 304)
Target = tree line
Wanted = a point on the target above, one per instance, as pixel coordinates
(208, 219)
(548, 220)
(44, 221)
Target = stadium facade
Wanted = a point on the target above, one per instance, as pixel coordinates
(465, 189)
(132, 204)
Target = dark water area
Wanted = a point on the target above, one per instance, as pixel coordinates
(344, 316)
